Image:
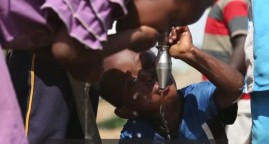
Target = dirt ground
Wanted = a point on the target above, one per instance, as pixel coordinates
(110, 125)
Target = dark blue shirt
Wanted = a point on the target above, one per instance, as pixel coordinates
(199, 108)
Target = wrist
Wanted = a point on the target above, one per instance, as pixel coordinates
(144, 38)
(190, 55)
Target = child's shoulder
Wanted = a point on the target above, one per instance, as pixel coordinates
(204, 86)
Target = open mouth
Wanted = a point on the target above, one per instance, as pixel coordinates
(160, 91)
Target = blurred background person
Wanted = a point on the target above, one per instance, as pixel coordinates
(257, 80)
(225, 34)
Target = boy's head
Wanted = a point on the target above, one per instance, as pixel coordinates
(161, 14)
(130, 84)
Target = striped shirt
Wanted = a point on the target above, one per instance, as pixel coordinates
(227, 19)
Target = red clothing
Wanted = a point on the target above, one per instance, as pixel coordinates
(227, 19)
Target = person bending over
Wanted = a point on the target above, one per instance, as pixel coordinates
(130, 84)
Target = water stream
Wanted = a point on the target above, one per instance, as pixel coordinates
(163, 119)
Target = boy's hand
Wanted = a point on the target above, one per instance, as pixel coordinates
(144, 38)
(181, 42)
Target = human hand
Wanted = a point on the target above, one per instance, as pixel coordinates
(181, 42)
(144, 38)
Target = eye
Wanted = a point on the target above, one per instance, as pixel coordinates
(132, 82)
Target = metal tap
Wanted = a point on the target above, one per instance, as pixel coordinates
(163, 63)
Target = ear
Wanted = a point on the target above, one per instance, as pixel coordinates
(124, 112)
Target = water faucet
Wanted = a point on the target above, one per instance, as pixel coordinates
(163, 62)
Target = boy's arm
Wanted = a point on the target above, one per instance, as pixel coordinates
(68, 49)
(81, 61)
(227, 79)
(235, 16)
(237, 59)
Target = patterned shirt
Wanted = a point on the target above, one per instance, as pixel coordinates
(227, 19)
(199, 123)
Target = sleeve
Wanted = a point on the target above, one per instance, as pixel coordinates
(202, 95)
(235, 16)
(87, 21)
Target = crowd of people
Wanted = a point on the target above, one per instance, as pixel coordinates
(50, 43)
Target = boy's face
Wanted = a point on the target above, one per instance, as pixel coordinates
(139, 89)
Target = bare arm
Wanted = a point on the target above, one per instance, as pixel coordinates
(66, 48)
(226, 78)
(81, 61)
(237, 59)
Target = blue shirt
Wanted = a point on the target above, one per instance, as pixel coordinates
(199, 107)
(261, 45)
